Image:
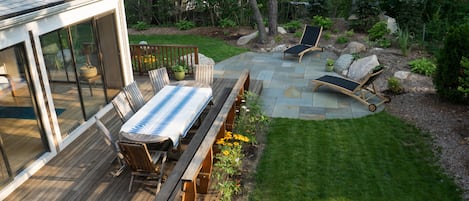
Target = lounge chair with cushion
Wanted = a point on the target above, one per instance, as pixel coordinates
(309, 42)
(362, 91)
(144, 165)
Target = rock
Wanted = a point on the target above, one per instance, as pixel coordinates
(202, 59)
(391, 24)
(343, 63)
(354, 47)
(245, 39)
(401, 74)
(281, 30)
(360, 68)
(279, 48)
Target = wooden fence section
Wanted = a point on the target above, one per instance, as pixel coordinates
(149, 57)
(192, 173)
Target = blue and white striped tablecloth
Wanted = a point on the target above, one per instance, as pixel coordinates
(167, 115)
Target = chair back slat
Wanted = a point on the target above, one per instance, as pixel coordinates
(122, 106)
(311, 35)
(134, 95)
(158, 78)
(137, 156)
(204, 74)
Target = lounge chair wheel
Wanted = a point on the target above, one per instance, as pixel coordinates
(387, 99)
(372, 107)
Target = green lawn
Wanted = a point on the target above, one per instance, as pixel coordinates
(214, 48)
(378, 157)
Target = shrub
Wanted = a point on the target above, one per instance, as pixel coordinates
(403, 38)
(185, 25)
(383, 42)
(464, 78)
(422, 66)
(394, 85)
(141, 26)
(378, 31)
(367, 13)
(225, 22)
(456, 46)
(292, 26)
(327, 36)
(349, 33)
(342, 40)
(325, 22)
(298, 34)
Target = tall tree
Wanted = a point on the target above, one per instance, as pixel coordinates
(262, 36)
(273, 15)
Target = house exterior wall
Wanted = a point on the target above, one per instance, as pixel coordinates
(21, 29)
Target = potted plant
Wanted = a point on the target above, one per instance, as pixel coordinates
(329, 65)
(179, 71)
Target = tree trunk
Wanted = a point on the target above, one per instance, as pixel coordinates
(273, 15)
(260, 24)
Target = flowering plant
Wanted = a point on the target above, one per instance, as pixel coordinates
(229, 163)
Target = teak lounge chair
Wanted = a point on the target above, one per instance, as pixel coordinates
(309, 42)
(142, 163)
(362, 91)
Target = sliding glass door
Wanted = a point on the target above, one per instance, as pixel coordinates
(75, 75)
(21, 136)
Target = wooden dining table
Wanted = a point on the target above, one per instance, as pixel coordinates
(168, 115)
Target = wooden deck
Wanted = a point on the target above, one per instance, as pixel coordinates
(82, 170)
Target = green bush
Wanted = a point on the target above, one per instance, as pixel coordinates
(464, 78)
(403, 37)
(422, 66)
(367, 13)
(225, 23)
(383, 42)
(394, 85)
(293, 25)
(185, 25)
(141, 26)
(325, 22)
(327, 35)
(298, 34)
(341, 40)
(349, 33)
(456, 46)
(378, 31)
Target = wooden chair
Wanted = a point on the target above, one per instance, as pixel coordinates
(122, 106)
(110, 141)
(134, 95)
(143, 165)
(362, 91)
(204, 74)
(158, 78)
(309, 42)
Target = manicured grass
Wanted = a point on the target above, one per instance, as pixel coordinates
(378, 157)
(214, 48)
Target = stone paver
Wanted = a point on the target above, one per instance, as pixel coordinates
(288, 89)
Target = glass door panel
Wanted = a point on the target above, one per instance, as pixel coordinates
(22, 139)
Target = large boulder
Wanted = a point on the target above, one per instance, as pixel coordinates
(342, 64)
(391, 24)
(360, 68)
(354, 47)
(243, 40)
(202, 59)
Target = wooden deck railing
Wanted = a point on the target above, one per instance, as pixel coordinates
(149, 57)
(197, 160)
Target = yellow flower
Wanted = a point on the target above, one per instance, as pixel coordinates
(229, 144)
(220, 141)
(236, 143)
(226, 152)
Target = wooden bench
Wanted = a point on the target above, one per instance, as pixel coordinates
(197, 160)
